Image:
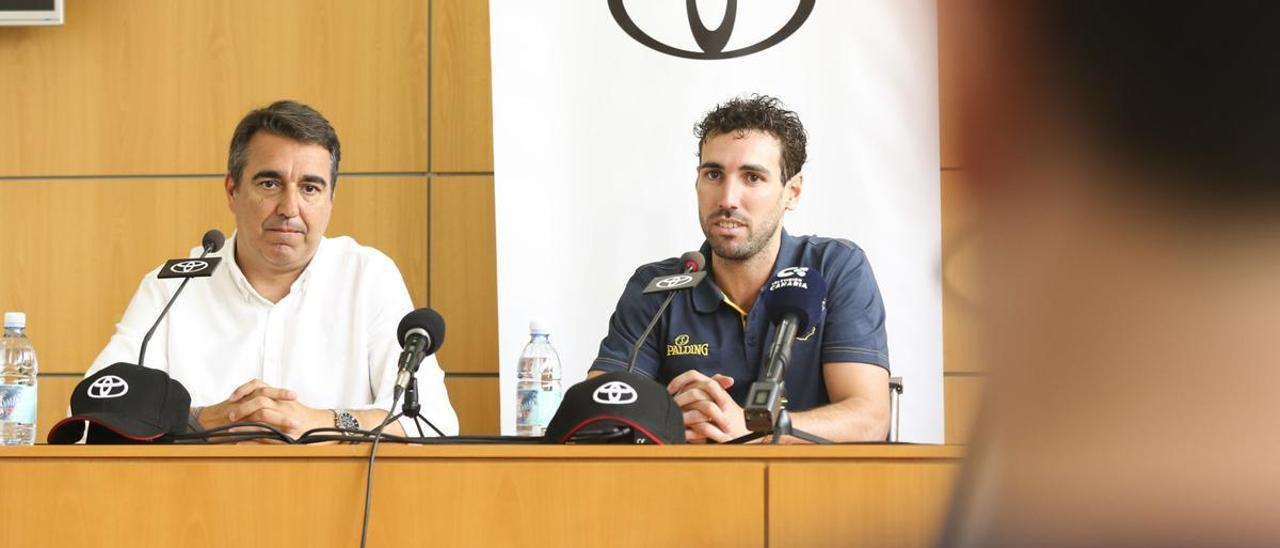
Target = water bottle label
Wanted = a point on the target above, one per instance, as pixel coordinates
(17, 403)
(527, 411)
(548, 402)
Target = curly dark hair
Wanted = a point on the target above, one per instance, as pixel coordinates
(289, 119)
(762, 113)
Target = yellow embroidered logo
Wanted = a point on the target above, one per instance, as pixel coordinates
(681, 347)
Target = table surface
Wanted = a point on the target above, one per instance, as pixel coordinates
(753, 452)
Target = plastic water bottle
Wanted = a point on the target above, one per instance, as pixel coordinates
(537, 382)
(17, 383)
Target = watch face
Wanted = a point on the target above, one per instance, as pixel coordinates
(345, 420)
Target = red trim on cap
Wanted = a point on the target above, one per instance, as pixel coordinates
(628, 422)
(102, 424)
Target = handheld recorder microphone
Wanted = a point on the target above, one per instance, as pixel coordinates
(794, 300)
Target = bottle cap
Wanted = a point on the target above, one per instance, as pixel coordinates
(538, 327)
(15, 319)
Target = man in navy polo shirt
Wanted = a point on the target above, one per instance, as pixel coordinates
(709, 345)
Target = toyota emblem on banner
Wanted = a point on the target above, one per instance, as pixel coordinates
(711, 41)
(189, 268)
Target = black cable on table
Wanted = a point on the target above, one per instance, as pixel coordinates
(373, 451)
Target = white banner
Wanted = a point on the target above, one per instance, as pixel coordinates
(594, 104)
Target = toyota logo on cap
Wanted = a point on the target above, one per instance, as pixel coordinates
(108, 386)
(614, 393)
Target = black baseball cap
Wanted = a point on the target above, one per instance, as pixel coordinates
(125, 403)
(617, 407)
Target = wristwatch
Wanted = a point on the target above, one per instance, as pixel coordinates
(344, 420)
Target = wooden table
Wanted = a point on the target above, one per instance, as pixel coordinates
(476, 495)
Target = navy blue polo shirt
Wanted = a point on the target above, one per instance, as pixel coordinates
(703, 330)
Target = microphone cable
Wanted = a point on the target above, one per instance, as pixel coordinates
(234, 432)
(373, 451)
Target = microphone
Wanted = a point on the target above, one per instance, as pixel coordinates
(186, 269)
(693, 261)
(213, 241)
(794, 300)
(691, 275)
(421, 333)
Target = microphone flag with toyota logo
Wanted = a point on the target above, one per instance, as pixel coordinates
(201, 267)
(617, 407)
(125, 403)
(674, 282)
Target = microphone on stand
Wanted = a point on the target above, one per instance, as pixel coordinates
(794, 300)
(200, 267)
(421, 333)
(692, 273)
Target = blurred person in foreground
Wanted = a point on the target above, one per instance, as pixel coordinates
(1125, 160)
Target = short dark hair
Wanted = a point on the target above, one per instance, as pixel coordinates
(762, 113)
(289, 119)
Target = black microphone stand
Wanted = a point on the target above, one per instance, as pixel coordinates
(411, 408)
(690, 266)
(635, 352)
(781, 427)
(771, 382)
(142, 352)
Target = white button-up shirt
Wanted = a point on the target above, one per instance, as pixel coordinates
(332, 339)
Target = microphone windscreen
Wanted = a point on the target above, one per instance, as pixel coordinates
(427, 320)
(796, 290)
(693, 261)
(213, 240)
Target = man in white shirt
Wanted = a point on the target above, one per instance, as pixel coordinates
(294, 329)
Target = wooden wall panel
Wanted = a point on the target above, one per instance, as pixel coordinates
(81, 247)
(156, 87)
(475, 400)
(962, 397)
(964, 359)
(76, 250)
(868, 504)
(951, 52)
(464, 282)
(388, 213)
(961, 302)
(54, 398)
(461, 96)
